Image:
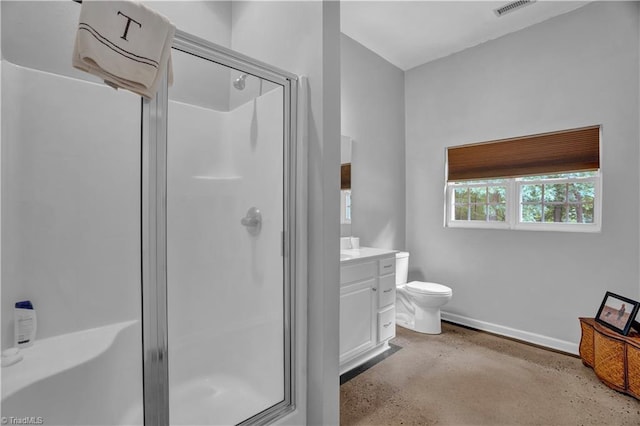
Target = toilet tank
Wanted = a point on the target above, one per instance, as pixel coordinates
(402, 267)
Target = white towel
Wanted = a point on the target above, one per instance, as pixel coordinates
(125, 43)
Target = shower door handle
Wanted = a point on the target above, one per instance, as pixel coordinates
(252, 220)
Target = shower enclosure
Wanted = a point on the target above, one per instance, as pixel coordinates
(156, 240)
(218, 166)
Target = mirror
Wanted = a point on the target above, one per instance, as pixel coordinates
(345, 186)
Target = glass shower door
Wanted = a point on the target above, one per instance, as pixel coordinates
(227, 273)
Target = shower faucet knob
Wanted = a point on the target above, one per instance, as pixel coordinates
(252, 221)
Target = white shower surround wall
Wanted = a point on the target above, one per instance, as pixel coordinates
(225, 291)
(71, 239)
(81, 378)
(71, 202)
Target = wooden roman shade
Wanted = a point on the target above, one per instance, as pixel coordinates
(547, 153)
(345, 176)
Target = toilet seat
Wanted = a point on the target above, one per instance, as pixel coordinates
(428, 288)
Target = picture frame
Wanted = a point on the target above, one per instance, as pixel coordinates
(617, 312)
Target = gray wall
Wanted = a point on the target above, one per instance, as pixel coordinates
(372, 108)
(575, 70)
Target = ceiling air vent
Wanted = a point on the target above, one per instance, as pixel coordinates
(510, 7)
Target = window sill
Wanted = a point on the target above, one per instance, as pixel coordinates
(556, 227)
(544, 227)
(478, 225)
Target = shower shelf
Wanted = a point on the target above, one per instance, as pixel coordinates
(218, 178)
(54, 355)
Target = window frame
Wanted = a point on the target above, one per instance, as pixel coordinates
(513, 211)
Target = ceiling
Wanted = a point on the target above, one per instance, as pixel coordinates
(411, 33)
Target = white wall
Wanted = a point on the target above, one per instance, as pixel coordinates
(372, 106)
(574, 70)
(210, 20)
(303, 37)
(40, 34)
(70, 190)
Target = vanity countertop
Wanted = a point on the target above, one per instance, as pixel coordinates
(364, 253)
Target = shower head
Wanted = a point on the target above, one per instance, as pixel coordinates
(239, 83)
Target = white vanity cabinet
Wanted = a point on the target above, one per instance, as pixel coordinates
(367, 305)
(357, 309)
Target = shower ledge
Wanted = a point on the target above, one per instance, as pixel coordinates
(207, 177)
(56, 354)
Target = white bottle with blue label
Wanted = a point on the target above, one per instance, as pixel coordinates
(24, 324)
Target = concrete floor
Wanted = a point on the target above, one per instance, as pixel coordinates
(466, 377)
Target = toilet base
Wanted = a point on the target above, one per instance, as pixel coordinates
(426, 321)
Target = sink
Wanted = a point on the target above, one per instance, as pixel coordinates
(349, 243)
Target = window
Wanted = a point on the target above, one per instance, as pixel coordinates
(480, 201)
(480, 194)
(564, 198)
(345, 206)
(563, 202)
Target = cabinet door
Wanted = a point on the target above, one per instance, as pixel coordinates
(357, 318)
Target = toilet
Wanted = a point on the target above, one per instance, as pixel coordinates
(418, 303)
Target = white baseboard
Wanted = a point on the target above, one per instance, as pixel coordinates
(536, 339)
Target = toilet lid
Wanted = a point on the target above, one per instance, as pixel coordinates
(428, 288)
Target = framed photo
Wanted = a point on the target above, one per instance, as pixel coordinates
(617, 312)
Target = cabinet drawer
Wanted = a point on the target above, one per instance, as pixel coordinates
(357, 272)
(386, 324)
(387, 290)
(387, 266)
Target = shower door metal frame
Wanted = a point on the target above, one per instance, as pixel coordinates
(154, 230)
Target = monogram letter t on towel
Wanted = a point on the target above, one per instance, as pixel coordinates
(125, 43)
